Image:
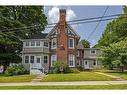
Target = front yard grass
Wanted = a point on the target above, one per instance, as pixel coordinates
(97, 87)
(18, 78)
(83, 76)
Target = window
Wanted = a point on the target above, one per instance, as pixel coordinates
(26, 59)
(93, 52)
(53, 43)
(53, 59)
(32, 43)
(45, 59)
(31, 59)
(45, 44)
(38, 59)
(71, 43)
(27, 43)
(71, 60)
(37, 43)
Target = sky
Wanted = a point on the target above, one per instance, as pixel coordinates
(79, 12)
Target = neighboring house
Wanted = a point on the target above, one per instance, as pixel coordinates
(62, 44)
(91, 58)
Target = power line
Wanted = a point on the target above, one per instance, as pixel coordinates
(71, 22)
(98, 22)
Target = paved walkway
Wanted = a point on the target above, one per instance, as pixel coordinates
(38, 78)
(64, 83)
(112, 76)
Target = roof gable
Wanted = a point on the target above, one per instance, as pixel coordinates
(69, 31)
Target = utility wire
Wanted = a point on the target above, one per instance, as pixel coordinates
(98, 23)
(71, 22)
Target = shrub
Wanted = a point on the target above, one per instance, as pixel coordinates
(74, 70)
(17, 69)
(80, 68)
(59, 67)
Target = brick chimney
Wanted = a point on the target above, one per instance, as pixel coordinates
(62, 18)
(62, 39)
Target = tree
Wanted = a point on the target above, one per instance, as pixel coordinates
(22, 17)
(85, 43)
(115, 54)
(115, 31)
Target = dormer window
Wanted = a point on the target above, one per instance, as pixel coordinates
(71, 43)
(53, 43)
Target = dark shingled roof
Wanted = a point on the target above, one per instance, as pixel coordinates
(38, 36)
(80, 46)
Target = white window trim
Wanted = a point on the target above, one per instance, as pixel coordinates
(52, 58)
(73, 60)
(47, 59)
(69, 43)
(92, 53)
(25, 59)
(30, 44)
(30, 59)
(45, 46)
(36, 43)
(52, 43)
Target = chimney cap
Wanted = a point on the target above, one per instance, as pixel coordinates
(63, 10)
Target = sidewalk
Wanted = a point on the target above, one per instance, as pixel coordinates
(64, 83)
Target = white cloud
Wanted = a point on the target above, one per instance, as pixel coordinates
(53, 14)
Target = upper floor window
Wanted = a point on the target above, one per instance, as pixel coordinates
(37, 43)
(33, 43)
(45, 44)
(93, 51)
(27, 43)
(71, 60)
(71, 43)
(53, 43)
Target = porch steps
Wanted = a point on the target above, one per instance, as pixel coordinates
(35, 71)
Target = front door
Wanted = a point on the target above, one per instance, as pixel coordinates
(37, 63)
(86, 64)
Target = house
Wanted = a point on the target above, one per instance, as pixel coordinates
(62, 44)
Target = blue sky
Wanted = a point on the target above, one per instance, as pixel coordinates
(78, 12)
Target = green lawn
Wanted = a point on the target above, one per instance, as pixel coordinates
(19, 78)
(83, 76)
(111, 87)
(123, 75)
